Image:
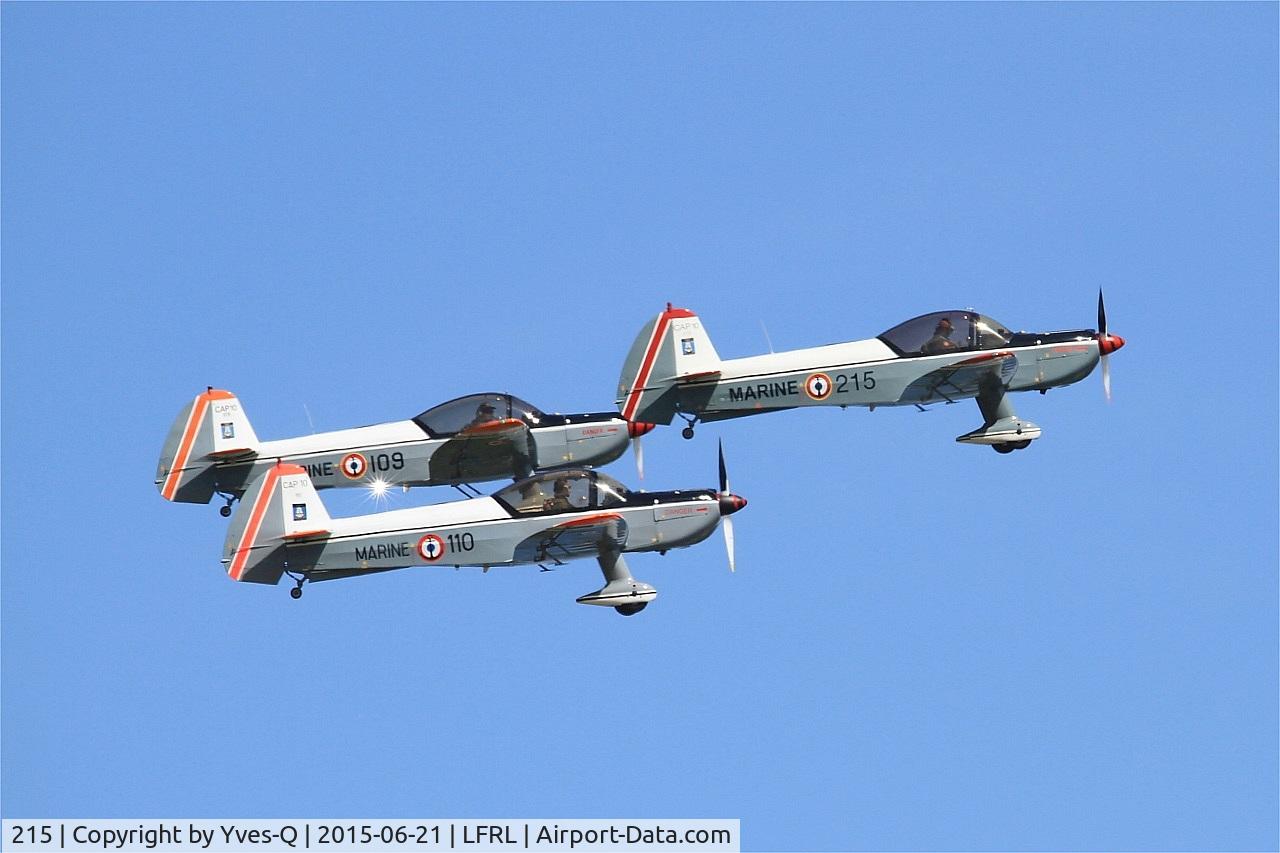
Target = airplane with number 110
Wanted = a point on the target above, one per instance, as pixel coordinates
(673, 370)
(282, 528)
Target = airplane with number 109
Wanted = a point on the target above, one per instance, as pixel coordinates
(282, 528)
(673, 370)
(212, 449)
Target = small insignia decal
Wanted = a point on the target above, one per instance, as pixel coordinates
(686, 346)
(431, 547)
(818, 386)
(228, 430)
(353, 465)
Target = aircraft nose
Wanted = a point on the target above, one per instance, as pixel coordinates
(639, 428)
(731, 503)
(1109, 343)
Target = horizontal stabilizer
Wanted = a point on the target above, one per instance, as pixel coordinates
(307, 534)
(232, 453)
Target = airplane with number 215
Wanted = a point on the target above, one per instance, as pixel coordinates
(673, 370)
(282, 528)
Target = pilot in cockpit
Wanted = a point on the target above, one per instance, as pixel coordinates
(484, 415)
(941, 341)
(559, 502)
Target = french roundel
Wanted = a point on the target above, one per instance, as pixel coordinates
(353, 465)
(818, 386)
(431, 547)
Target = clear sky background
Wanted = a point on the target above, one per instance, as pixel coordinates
(363, 210)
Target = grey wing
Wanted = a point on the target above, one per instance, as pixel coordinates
(961, 378)
(578, 537)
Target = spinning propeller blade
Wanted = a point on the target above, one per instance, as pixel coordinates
(729, 504)
(636, 429)
(724, 472)
(1107, 344)
(728, 540)
(638, 448)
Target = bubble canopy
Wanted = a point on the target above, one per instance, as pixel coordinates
(551, 492)
(946, 331)
(457, 415)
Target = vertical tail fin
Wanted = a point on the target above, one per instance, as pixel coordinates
(212, 427)
(280, 507)
(671, 348)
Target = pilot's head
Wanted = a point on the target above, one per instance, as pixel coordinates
(484, 410)
(562, 487)
(944, 327)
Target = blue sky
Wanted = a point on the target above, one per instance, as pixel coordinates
(358, 211)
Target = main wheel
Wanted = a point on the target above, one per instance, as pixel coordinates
(1022, 445)
(225, 511)
(631, 609)
(295, 593)
(1006, 447)
(687, 432)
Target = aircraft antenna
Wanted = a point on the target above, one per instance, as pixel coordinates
(311, 422)
(767, 340)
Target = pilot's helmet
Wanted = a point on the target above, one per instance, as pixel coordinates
(484, 409)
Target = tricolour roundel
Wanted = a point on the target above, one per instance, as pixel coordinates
(818, 386)
(353, 465)
(431, 547)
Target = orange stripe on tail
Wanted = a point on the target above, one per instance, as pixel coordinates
(256, 516)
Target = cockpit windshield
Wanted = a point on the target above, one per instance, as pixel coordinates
(474, 410)
(562, 491)
(946, 331)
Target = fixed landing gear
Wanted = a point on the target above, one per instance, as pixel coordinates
(632, 609)
(296, 592)
(1010, 446)
(225, 511)
(687, 432)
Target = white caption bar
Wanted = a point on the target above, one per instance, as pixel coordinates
(363, 835)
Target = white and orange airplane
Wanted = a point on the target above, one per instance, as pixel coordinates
(282, 528)
(674, 371)
(212, 448)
